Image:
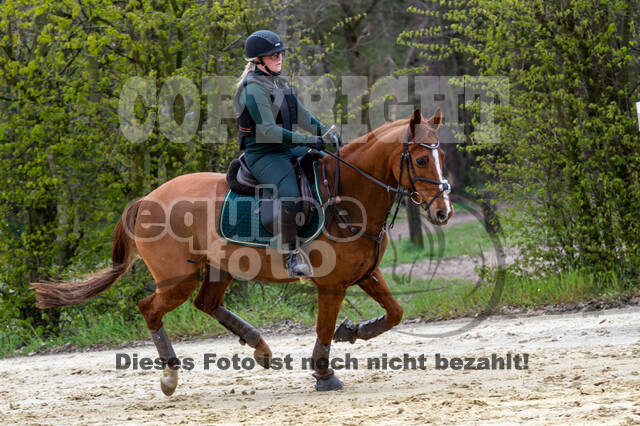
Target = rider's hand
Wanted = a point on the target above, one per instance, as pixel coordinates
(332, 137)
(320, 143)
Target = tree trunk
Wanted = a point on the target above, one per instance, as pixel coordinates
(415, 223)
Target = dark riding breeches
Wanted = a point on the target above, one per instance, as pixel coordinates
(275, 168)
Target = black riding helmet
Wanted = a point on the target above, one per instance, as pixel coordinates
(263, 43)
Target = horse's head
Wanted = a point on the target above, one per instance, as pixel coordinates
(421, 166)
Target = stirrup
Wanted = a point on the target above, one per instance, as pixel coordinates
(297, 269)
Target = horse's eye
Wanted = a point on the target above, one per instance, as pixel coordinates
(421, 162)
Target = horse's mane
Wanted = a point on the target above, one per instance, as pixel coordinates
(364, 141)
(376, 133)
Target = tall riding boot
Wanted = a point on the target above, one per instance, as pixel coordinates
(294, 261)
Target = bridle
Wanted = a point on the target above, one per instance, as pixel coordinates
(443, 185)
(405, 162)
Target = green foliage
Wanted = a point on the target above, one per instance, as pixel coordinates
(568, 158)
(110, 319)
(439, 299)
(66, 171)
(270, 305)
(468, 239)
(569, 152)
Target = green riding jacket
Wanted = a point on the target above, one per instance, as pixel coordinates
(268, 112)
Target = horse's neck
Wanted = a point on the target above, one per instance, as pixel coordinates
(372, 158)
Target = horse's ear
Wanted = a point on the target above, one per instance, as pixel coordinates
(416, 118)
(436, 120)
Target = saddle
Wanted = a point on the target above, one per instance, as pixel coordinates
(243, 182)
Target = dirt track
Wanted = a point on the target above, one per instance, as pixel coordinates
(459, 267)
(583, 367)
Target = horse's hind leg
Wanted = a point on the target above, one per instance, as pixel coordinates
(377, 288)
(169, 294)
(210, 300)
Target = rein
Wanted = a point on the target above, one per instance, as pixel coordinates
(443, 187)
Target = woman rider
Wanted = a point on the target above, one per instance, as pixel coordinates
(267, 111)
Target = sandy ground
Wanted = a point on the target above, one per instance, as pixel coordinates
(582, 368)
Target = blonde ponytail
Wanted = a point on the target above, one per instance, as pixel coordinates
(251, 66)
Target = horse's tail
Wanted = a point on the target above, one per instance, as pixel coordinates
(53, 294)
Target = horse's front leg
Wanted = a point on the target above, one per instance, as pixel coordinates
(377, 288)
(329, 301)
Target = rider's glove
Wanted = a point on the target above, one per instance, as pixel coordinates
(320, 143)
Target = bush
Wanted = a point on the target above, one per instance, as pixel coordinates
(569, 157)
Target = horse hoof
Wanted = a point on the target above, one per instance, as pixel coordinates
(262, 354)
(328, 384)
(347, 332)
(169, 381)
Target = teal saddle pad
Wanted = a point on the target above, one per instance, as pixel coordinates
(240, 222)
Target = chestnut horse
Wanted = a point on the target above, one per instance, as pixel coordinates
(178, 245)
